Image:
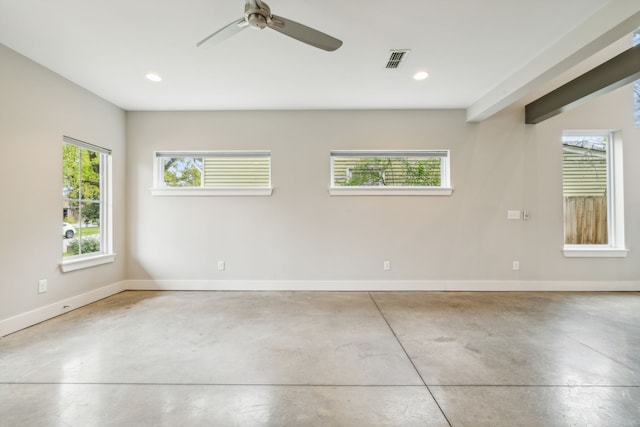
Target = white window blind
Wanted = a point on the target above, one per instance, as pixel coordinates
(83, 144)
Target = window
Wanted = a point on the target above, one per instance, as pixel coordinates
(592, 192)
(636, 85)
(390, 172)
(86, 237)
(216, 173)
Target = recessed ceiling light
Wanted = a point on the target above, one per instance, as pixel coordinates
(153, 77)
(421, 75)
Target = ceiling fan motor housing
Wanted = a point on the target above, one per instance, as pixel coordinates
(257, 17)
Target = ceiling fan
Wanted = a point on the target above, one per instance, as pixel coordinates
(257, 14)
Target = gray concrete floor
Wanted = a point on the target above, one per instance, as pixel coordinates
(329, 358)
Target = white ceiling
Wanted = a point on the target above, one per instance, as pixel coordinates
(481, 54)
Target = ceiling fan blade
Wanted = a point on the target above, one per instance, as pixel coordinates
(224, 32)
(303, 33)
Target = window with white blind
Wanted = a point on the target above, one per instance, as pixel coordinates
(592, 193)
(86, 206)
(212, 173)
(408, 172)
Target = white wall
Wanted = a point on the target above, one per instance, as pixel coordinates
(38, 107)
(301, 233)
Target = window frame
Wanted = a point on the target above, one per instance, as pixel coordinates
(160, 189)
(106, 254)
(615, 248)
(445, 189)
(636, 85)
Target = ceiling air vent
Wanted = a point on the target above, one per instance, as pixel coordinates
(396, 58)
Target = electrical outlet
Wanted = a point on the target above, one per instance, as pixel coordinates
(42, 286)
(220, 265)
(386, 265)
(516, 265)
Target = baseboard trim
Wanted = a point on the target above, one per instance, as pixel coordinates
(381, 285)
(30, 318)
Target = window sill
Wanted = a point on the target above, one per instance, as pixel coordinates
(389, 191)
(78, 263)
(572, 251)
(220, 191)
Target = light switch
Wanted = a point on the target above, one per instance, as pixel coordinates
(513, 215)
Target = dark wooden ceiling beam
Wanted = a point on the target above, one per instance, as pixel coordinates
(615, 73)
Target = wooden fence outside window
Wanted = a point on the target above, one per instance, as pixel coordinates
(585, 220)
